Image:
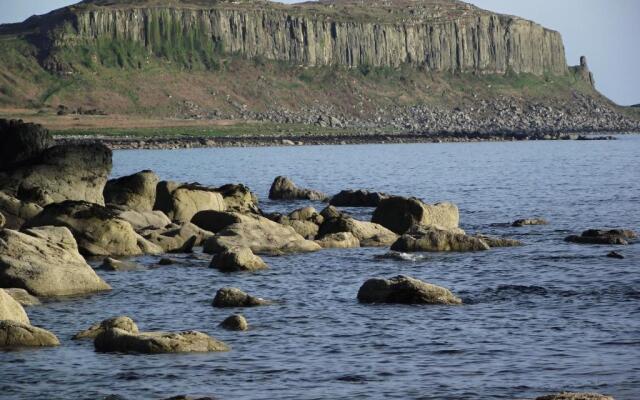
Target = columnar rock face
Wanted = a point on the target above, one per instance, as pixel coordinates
(439, 35)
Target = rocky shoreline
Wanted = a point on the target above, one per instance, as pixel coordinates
(171, 143)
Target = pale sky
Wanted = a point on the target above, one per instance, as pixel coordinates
(606, 31)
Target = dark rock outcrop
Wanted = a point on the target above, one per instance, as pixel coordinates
(121, 341)
(180, 202)
(405, 290)
(575, 396)
(601, 236)
(438, 240)
(529, 221)
(233, 297)
(399, 214)
(135, 192)
(283, 188)
(21, 143)
(358, 198)
(235, 323)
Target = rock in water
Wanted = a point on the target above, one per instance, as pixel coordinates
(340, 240)
(124, 323)
(233, 297)
(238, 259)
(530, 221)
(437, 240)
(118, 340)
(498, 241)
(358, 198)
(46, 262)
(215, 221)
(97, 229)
(135, 192)
(23, 297)
(575, 396)
(239, 198)
(262, 236)
(111, 264)
(16, 334)
(235, 323)
(144, 220)
(405, 290)
(369, 234)
(181, 202)
(399, 214)
(601, 236)
(64, 172)
(21, 142)
(283, 188)
(615, 254)
(11, 310)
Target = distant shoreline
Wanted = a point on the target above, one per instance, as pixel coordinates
(170, 143)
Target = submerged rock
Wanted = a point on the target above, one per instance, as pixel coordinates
(235, 323)
(601, 236)
(16, 334)
(11, 310)
(46, 262)
(399, 256)
(238, 259)
(283, 188)
(233, 297)
(405, 290)
(399, 214)
(111, 264)
(121, 341)
(437, 240)
(262, 236)
(339, 240)
(135, 192)
(615, 254)
(358, 198)
(124, 323)
(575, 396)
(499, 241)
(97, 229)
(530, 221)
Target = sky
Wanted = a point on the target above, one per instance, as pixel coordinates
(606, 31)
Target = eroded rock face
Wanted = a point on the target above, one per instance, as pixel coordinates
(23, 297)
(369, 234)
(405, 290)
(178, 238)
(437, 240)
(239, 198)
(21, 142)
(262, 236)
(124, 323)
(215, 221)
(237, 260)
(144, 220)
(358, 198)
(235, 323)
(97, 229)
(283, 188)
(111, 264)
(16, 334)
(233, 297)
(11, 310)
(46, 262)
(121, 341)
(16, 211)
(64, 172)
(602, 236)
(575, 396)
(399, 214)
(135, 192)
(181, 202)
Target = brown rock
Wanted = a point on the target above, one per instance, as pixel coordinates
(405, 290)
(15, 334)
(235, 323)
(283, 188)
(399, 214)
(238, 259)
(233, 297)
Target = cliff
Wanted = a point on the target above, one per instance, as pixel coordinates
(436, 35)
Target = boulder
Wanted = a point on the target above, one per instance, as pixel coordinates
(11, 310)
(340, 240)
(305, 221)
(369, 234)
(178, 238)
(111, 264)
(602, 236)
(529, 221)
(358, 198)
(121, 341)
(232, 297)
(181, 203)
(331, 212)
(262, 236)
(64, 172)
(575, 396)
(46, 262)
(144, 220)
(122, 322)
(215, 221)
(399, 214)
(238, 259)
(405, 290)
(498, 241)
(437, 240)
(97, 229)
(239, 198)
(23, 297)
(21, 142)
(166, 261)
(235, 323)
(283, 188)
(134, 192)
(15, 334)
(15, 212)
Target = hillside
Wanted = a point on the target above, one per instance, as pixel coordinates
(336, 63)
